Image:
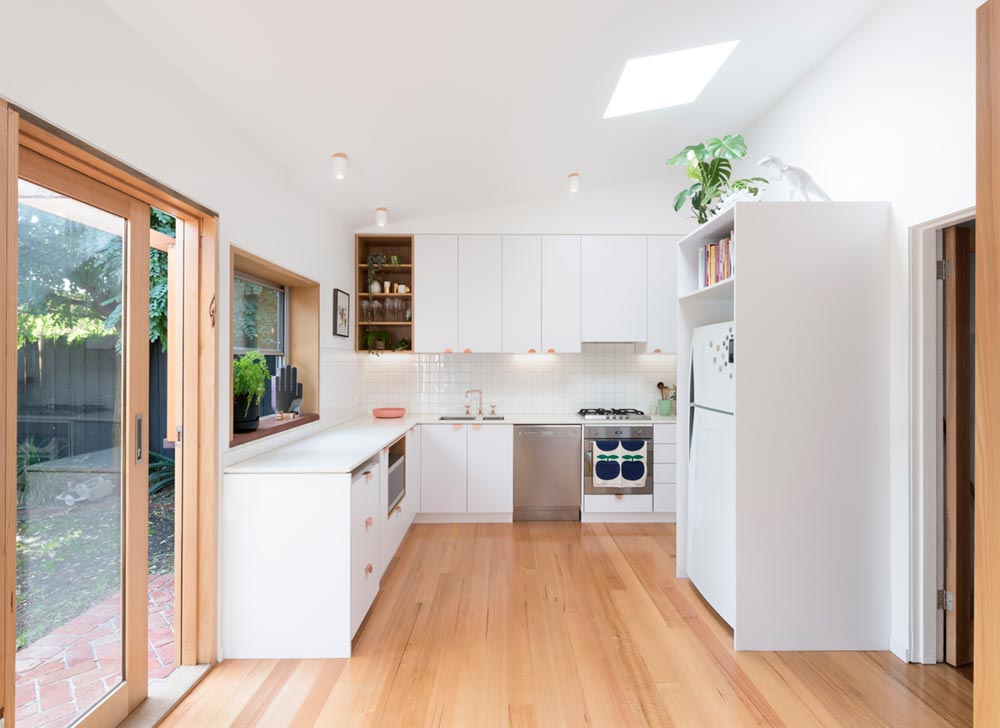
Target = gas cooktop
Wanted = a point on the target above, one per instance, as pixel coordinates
(613, 414)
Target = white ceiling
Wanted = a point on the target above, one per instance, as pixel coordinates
(449, 105)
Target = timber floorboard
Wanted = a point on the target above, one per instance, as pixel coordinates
(563, 624)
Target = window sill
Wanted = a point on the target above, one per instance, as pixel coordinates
(270, 425)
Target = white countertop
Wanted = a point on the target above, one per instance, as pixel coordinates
(345, 447)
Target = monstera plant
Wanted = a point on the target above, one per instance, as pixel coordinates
(710, 165)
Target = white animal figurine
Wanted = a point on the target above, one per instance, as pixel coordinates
(800, 184)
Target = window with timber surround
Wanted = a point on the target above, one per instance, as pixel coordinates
(275, 312)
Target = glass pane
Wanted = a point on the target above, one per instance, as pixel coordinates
(257, 317)
(165, 414)
(69, 463)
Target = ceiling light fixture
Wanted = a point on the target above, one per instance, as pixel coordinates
(381, 216)
(339, 165)
(574, 182)
(669, 79)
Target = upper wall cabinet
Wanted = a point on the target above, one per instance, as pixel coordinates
(479, 293)
(561, 294)
(522, 294)
(435, 293)
(661, 295)
(614, 285)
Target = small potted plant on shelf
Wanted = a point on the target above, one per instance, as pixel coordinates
(376, 261)
(402, 345)
(250, 377)
(375, 340)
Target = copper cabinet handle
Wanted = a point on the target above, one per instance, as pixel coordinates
(552, 351)
(368, 474)
(467, 351)
(657, 351)
(619, 496)
(369, 568)
(398, 509)
(448, 350)
(369, 522)
(532, 351)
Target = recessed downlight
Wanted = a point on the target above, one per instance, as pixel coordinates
(667, 79)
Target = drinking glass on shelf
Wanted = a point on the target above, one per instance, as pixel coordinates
(377, 311)
(366, 309)
(395, 314)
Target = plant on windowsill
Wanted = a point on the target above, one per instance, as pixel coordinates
(250, 376)
(375, 340)
(710, 165)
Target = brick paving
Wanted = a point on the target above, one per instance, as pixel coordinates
(61, 675)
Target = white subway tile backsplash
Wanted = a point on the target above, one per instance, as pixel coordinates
(603, 375)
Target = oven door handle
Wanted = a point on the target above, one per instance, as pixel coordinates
(588, 458)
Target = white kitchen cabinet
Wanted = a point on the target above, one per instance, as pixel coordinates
(479, 293)
(491, 469)
(613, 279)
(522, 294)
(365, 566)
(561, 294)
(443, 463)
(435, 293)
(412, 498)
(661, 295)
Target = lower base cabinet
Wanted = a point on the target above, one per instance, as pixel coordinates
(467, 469)
(299, 561)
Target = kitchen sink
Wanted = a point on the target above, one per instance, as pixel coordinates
(493, 417)
(463, 418)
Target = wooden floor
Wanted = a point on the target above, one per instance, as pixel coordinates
(557, 624)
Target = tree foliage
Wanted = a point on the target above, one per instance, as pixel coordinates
(70, 278)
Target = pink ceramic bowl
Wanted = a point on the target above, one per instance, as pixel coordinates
(389, 412)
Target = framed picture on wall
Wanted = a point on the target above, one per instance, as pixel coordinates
(341, 313)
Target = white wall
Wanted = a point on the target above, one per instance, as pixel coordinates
(76, 64)
(890, 115)
(644, 207)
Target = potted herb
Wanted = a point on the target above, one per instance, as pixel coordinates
(375, 340)
(402, 345)
(710, 165)
(376, 262)
(250, 376)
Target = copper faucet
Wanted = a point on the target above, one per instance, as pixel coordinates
(479, 413)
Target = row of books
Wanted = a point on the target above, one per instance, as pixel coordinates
(717, 262)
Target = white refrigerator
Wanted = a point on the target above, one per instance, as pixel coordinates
(711, 518)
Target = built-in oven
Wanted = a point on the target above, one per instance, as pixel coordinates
(618, 460)
(396, 489)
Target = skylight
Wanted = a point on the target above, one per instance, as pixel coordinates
(668, 79)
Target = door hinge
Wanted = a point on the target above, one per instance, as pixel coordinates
(943, 269)
(945, 600)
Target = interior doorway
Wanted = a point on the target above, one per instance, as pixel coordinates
(942, 417)
(957, 335)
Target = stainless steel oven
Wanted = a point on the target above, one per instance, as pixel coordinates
(608, 434)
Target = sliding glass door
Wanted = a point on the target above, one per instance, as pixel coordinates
(82, 399)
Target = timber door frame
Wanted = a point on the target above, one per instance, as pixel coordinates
(986, 668)
(196, 587)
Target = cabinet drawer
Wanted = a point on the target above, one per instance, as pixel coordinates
(664, 453)
(364, 496)
(618, 504)
(364, 574)
(664, 434)
(664, 472)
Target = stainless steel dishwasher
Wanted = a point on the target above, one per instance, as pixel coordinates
(547, 472)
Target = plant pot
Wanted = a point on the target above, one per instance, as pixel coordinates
(245, 419)
(666, 407)
(380, 345)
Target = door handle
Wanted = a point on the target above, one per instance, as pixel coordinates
(138, 439)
